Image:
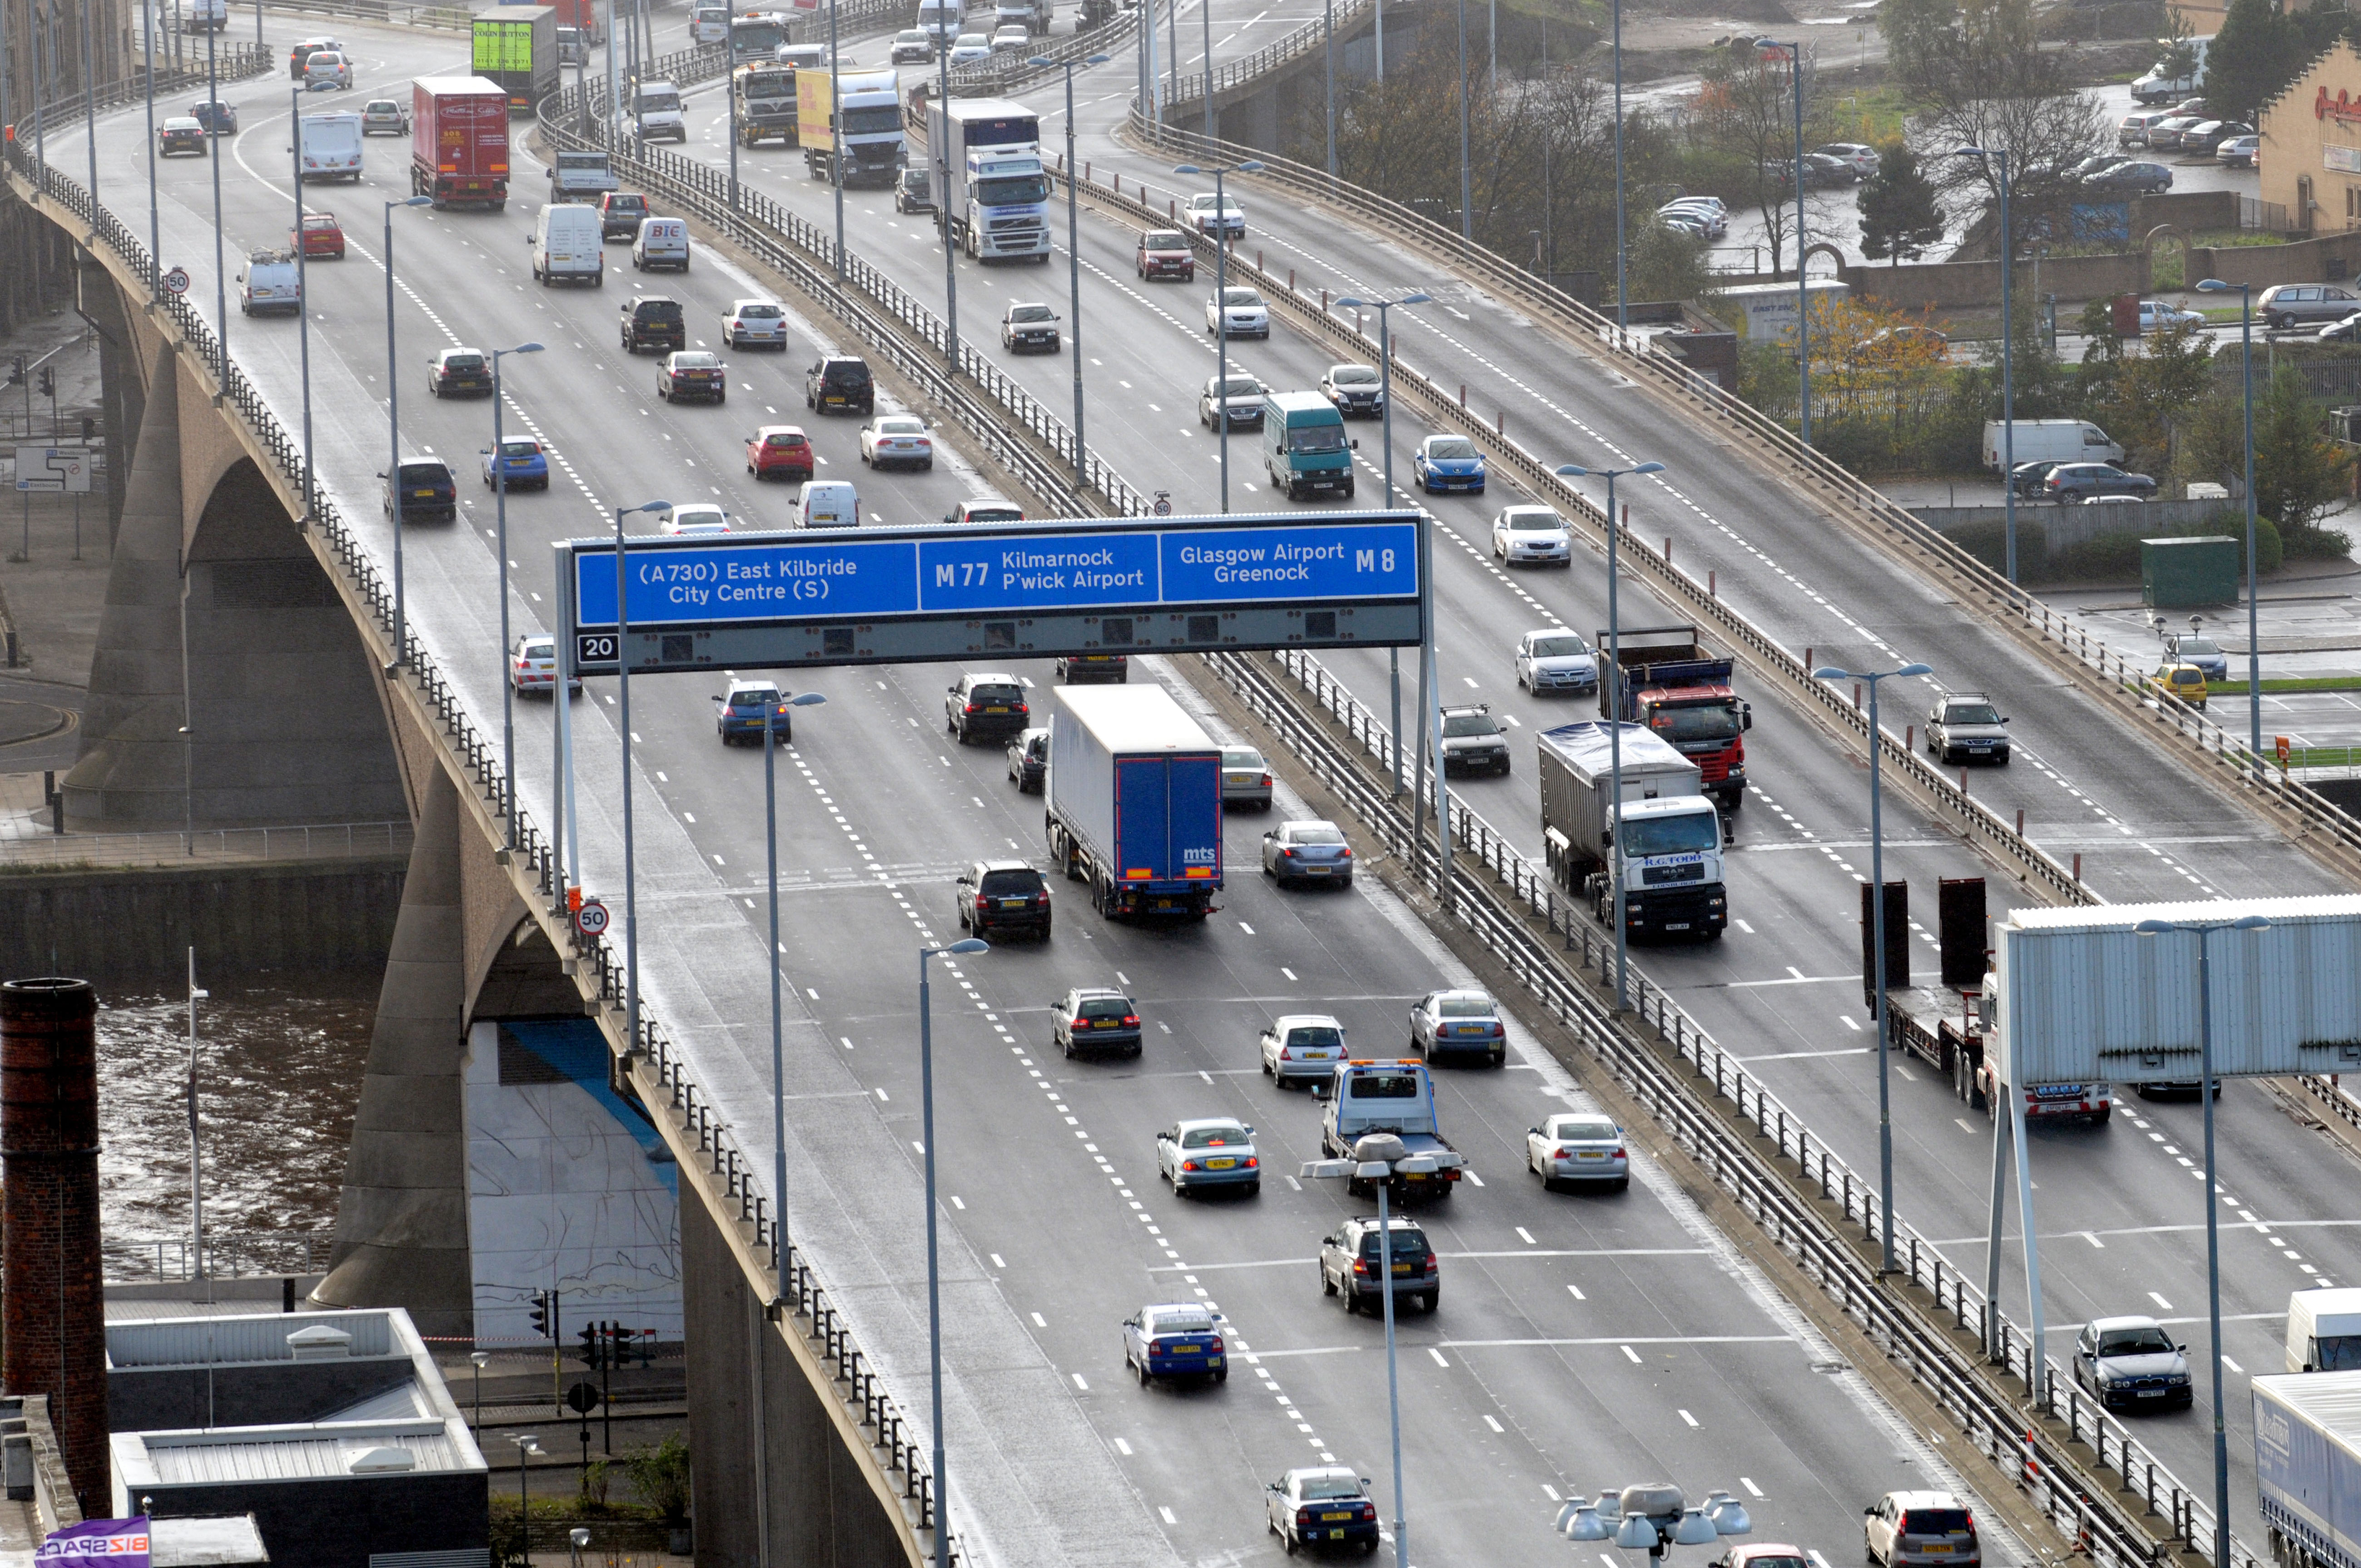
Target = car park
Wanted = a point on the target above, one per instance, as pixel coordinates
(2202, 139)
(1320, 1506)
(1178, 1340)
(653, 321)
(1351, 1263)
(1237, 313)
(754, 323)
(1165, 253)
(692, 517)
(2138, 179)
(1095, 669)
(1965, 726)
(459, 371)
(2186, 682)
(1581, 1146)
(779, 452)
(322, 237)
(1215, 215)
(985, 509)
(2080, 481)
(842, 383)
(914, 46)
(1449, 1023)
(1448, 463)
(2130, 1363)
(2132, 131)
(2166, 133)
(1003, 895)
(2238, 152)
(2283, 305)
(2158, 315)
(1302, 1048)
(298, 56)
(179, 132)
(1091, 1020)
(969, 48)
(533, 666)
(219, 118)
(1245, 778)
(520, 464)
(1472, 742)
(1307, 851)
(693, 375)
(1533, 536)
(914, 191)
(1551, 661)
(385, 117)
(428, 492)
(1864, 159)
(1029, 327)
(1234, 400)
(1920, 1530)
(1358, 390)
(743, 709)
(1207, 1154)
(985, 707)
(1028, 760)
(897, 439)
(325, 69)
(620, 212)
(2196, 648)
(1711, 222)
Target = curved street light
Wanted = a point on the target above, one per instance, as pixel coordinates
(1221, 272)
(501, 535)
(1073, 252)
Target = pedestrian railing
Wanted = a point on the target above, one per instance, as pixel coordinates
(45, 851)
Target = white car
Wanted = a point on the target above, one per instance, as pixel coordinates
(1583, 1146)
(897, 438)
(1238, 312)
(1015, 35)
(1710, 221)
(328, 68)
(2156, 315)
(1211, 215)
(1302, 1048)
(533, 666)
(1534, 535)
(693, 517)
(761, 322)
(1864, 159)
(385, 116)
(969, 48)
(1553, 659)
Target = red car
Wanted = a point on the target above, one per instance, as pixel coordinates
(779, 452)
(323, 236)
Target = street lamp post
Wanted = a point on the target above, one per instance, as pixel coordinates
(778, 1012)
(1073, 254)
(1614, 672)
(1328, 75)
(1206, 13)
(2206, 1089)
(837, 149)
(528, 1447)
(939, 115)
(500, 503)
(479, 1359)
(1877, 934)
(154, 223)
(221, 273)
(2254, 649)
(303, 289)
(2008, 360)
(1803, 298)
(1467, 195)
(392, 421)
(1620, 318)
(1386, 439)
(624, 726)
(934, 1269)
(1221, 276)
(1377, 1159)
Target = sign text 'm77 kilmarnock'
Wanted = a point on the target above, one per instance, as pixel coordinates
(838, 575)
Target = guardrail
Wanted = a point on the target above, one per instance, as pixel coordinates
(235, 63)
(317, 841)
(1008, 72)
(1191, 89)
(229, 1255)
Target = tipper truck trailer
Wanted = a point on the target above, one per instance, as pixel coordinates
(1671, 834)
(849, 120)
(516, 47)
(459, 141)
(1133, 799)
(2308, 1467)
(1681, 691)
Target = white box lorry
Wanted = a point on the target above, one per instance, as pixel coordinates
(2324, 1331)
(1670, 834)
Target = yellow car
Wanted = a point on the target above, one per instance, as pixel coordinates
(2186, 682)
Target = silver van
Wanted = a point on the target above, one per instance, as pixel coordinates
(826, 503)
(661, 242)
(568, 245)
(269, 282)
(2305, 304)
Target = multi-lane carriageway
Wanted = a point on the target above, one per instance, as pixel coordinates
(1582, 1342)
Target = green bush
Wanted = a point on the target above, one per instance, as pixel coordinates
(1988, 543)
(2116, 556)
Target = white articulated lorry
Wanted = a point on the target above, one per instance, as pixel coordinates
(996, 193)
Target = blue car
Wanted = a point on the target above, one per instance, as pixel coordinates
(739, 712)
(1177, 1339)
(1448, 463)
(521, 465)
(2193, 648)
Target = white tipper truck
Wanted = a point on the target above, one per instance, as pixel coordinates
(1670, 834)
(994, 197)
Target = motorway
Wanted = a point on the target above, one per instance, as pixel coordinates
(881, 809)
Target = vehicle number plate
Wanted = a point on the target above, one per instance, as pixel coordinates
(1326, 1518)
(2144, 1393)
(1316, 870)
(996, 710)
(1676, 925)
(1188, 1350)
(421, 495)
(1937, 1549)
(1402, 1268)
(1588, 1154)
(1221, 1164)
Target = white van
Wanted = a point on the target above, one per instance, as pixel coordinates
(2153, 86)
(940, 20)
(271, 281)
(2058, 440)
(2325, 1331)
(662, 242)
(656, 108)
(566, 245)
(708, 25)
(826, 503)
(332, 147)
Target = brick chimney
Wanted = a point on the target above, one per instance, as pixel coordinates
(55, 1310)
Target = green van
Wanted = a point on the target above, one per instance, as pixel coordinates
(1305, 448)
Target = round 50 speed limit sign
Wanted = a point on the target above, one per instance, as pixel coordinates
(591, 918)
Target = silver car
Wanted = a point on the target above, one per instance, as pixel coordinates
(1208, 1152)
(1307, 851)
(385, 116)
(1579, 1147)
(1532, 536)
(1553, 660)
(1237, 313)
(1245, 778)
(533, 666)
(2131, 1362)
(1965, 725)
(1302, 1048)
(1449, 1021)
(1236, 400)
(754, 322)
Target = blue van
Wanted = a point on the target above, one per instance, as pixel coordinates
(1305, 448)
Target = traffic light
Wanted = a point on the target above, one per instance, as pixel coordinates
(590, 1353)
(541, 1304)
(15, 369)
(49, 381)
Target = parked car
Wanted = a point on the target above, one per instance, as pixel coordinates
(1820, 172)
(1307, 851)
(1206, 1153)
(1165, 253)
(1706, 212)
(2031, 479)
(2159, 315)
(1179, 1340)
(2283, 305)
(1864, 158)
(2130, 1363)
(2092, 164)
(2208, 135)
(2134, 178)
(2132, 129)
(1920, 1530)
(2186, 682)
(520, 464)
(1028, 760)
(2238, 152)
(914, 191)
(999, 895)
(1581, 1146)
(2196, 648)
(385, 116)
(2166, 133)
(2080, 481)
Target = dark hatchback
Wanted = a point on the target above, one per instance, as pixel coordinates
(1091, 1019)
(619, 213)
(454, 371)
(429, 491)
(842, 384)
(1003, 895)
(653, 321)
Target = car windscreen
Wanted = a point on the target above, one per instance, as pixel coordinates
(1451, 449)
(2148, 1340)
(2198, 645)
(1935, 1521)
(1982, 712)
(544, 649)
(1567, 647)
(758, 312)
(1236, 387)
(519, 448)
(627, 204)
(847, 373)
(1672, 835)
(994, 514)
(754, 696)
(1241, 757)
(1320, 835)
(1010, 883)
(660, 311)
(1179, 1324)
(1711, 721)
(1407, 1243)
(463, 362)
(871, 119)
(1164, 239)
(694, 361)
(1032, 313)
(1352, 376)
(1316, 1036)
(1458, 726)
(1546, 522)
(1466, 1007)
(1382, 1086)
(659, 103)
(1106, 1007)
(1012, 190)
(564, 160)
(1240, 297)
(1214, 1137)
(2337, 1353)
(1587, 1129)
(1316, 438)
(901, 427)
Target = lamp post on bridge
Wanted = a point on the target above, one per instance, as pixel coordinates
(934, 1269)
(771, 738)
(624, 724)
(1386, 439)
(1073, 254)
(1999, 160)
(1651, 1517)
(1221, 272)
(392, 421)
(508, 687)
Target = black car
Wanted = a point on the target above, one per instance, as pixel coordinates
(2028, 478)
(842, 383)
(429, 491)
(453, 371)
(653, 321)
(619, 213)
(2080, 481)
(1091, 1019)
(216, 117)
(985, 707)
(1028, 760)
(1003, 895)
(1350, 1264)
(180, 134)
(913, 192)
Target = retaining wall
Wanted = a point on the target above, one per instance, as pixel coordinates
(119, 921)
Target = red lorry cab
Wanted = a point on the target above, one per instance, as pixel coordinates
(1672, 683)
(459, 141)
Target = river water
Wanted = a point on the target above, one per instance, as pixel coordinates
(278, 1073)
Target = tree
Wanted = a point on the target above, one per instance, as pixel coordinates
(1899, 215)
(1744, 120)
(2299, 473)
(1985, 80)
(2259, 50)
(2144, 395)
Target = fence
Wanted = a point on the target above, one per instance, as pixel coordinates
(321, 841)
(229, 1255)
(1191, 89)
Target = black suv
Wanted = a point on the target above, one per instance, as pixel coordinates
(1091, 1018)
(428, 490)
(653, 320)
(842, 383)
(996, 895)
(1349, 1264)
(985, 707)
